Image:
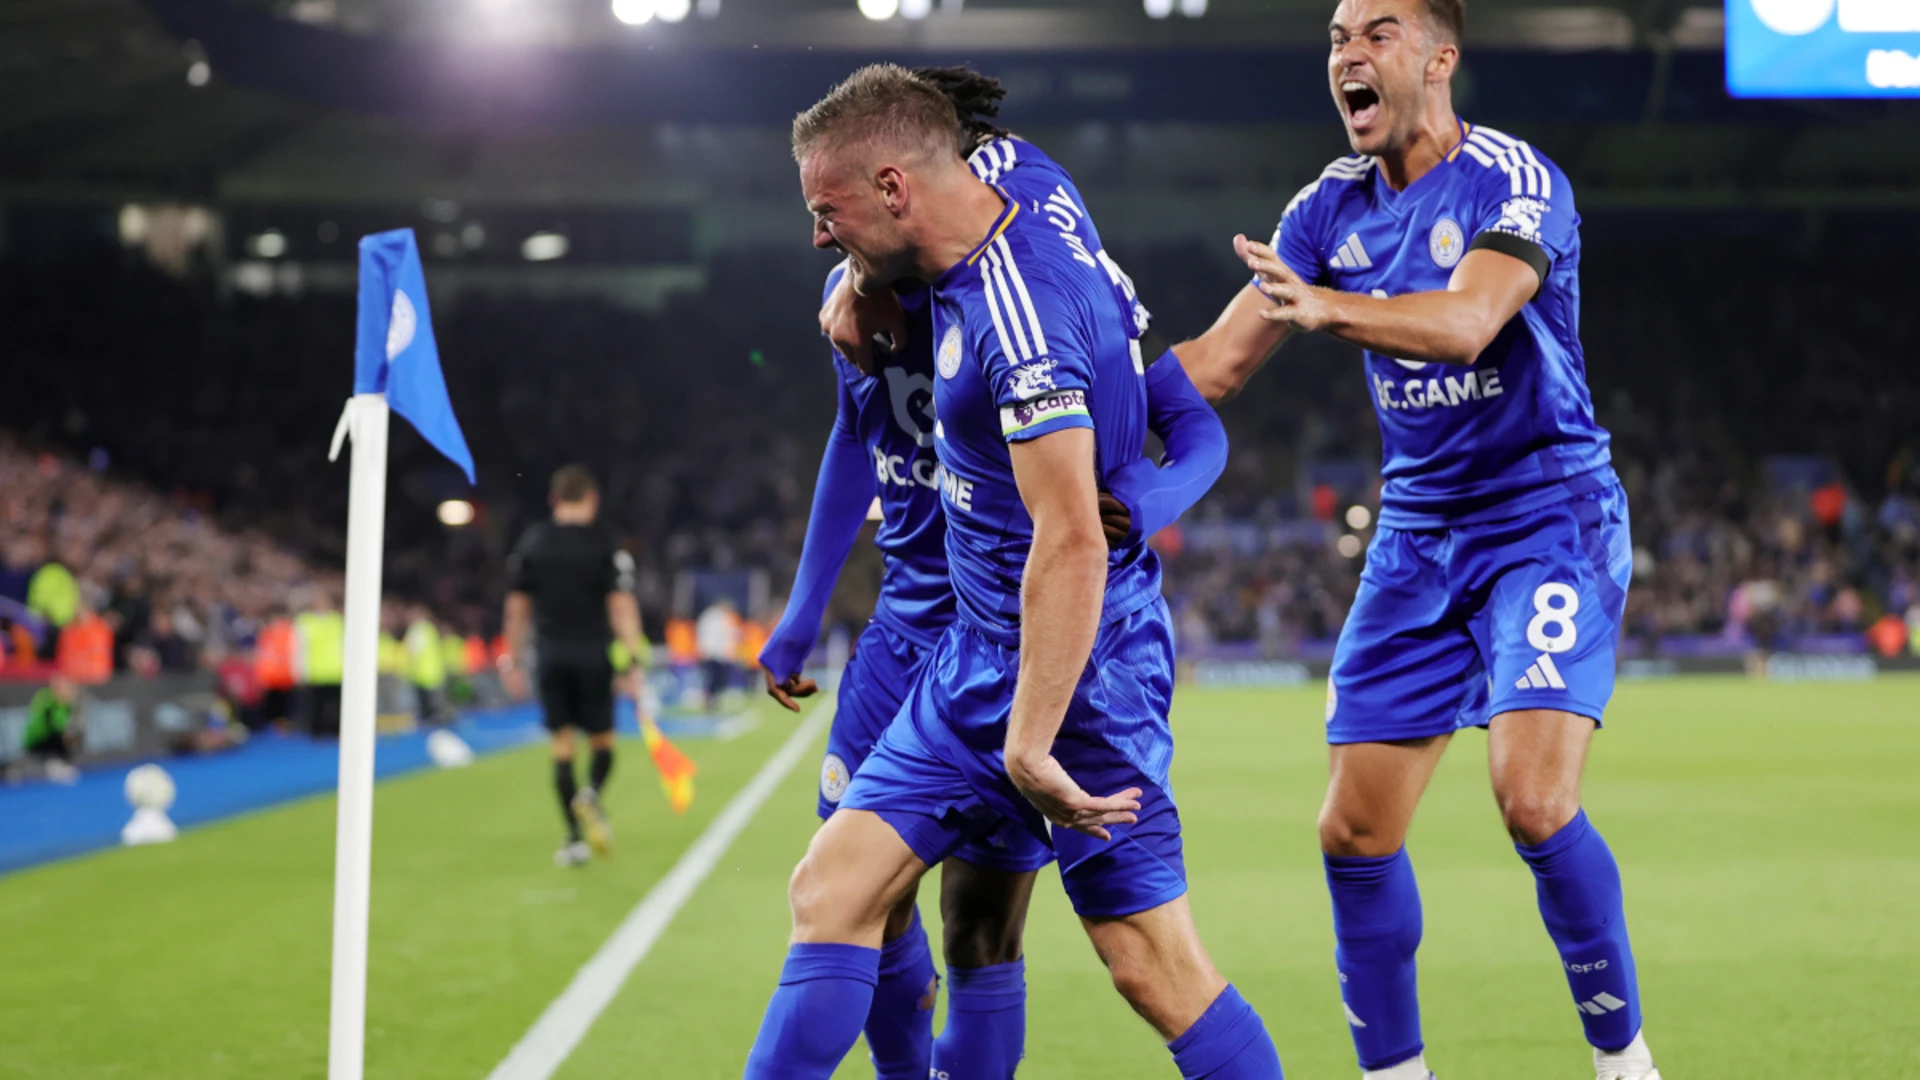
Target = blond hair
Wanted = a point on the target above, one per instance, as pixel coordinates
(885, 105)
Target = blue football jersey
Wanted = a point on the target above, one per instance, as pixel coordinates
(1027, 174)
(892, 413)
(1035, 334)
(1515, 431)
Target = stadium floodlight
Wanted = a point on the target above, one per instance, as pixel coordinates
(268, 245)
(455, 513)
(1358, 517)
(199, 73)
(915, 9)
(673, 10)
(1348, 545)
(634, 12)
(1193, 9)
(543, 247)
(1159, 9)
(879, 10)
(134, 224)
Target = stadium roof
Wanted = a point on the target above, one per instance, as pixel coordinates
(309, 100)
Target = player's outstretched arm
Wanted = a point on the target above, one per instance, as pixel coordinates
(1449, 327)
(1238, 344)
(1060, 599)
(1155, 496)
(841, 497)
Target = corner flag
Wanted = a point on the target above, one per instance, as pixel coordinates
(394, 351)
(396, 366)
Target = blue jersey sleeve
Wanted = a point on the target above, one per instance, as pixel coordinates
(1035, 352)
(1524, 208)
(841, 497)
(1156, 496)
(1297, 238)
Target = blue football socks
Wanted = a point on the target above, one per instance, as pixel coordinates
(1228, 1042)
(986, 1032)
(1579, 888)
(815, 1016)
(1376, 928)
(900, 1022)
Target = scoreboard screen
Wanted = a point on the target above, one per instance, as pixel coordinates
(1823, 48)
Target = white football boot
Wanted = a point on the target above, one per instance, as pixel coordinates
(1414, 1068)
(574, 854)
(1633, 1063)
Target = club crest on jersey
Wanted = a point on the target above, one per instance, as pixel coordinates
(1032, 380)
(1446, 243)
(834, 778)
(949, 358)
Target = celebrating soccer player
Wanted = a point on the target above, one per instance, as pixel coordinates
(1494, 587)
(1056, 673)
(882, 445)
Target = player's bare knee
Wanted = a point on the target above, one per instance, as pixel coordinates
(1532, 816)
(1345, 835)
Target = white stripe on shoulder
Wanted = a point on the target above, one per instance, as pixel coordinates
(1010, 307)
(1351, 167)
(1020, 286)
(1526, 174)
(1499, 138)
(989, 287)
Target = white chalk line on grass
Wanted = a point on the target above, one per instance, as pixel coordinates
(553, 1037)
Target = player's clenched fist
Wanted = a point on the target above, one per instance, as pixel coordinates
(793, 686)
(1048, 787)
(1295, 302)
(852, 322)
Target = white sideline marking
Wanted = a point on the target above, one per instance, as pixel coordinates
(550, 1040)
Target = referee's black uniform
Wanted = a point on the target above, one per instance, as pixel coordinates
(568, 571)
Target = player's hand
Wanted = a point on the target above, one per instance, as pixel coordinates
(852, 322)
(1048, 787)
(514, 681)
(793, 686)
(1295, 302)
(1115, 520)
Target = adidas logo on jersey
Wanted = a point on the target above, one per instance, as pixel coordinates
(1351, 256)
(1542, 674)
(1601, 1004)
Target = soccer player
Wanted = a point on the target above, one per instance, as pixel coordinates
(882, 446)
(1494, 588)
(570, 585)
(1057, 670)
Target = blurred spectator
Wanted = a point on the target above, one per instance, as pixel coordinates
(718, 634)
(50, 734)
(85, 652)
(320, 660)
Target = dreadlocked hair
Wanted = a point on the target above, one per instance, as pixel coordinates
(975, 97)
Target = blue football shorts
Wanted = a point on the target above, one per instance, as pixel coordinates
(1453, 627)
(938, 774)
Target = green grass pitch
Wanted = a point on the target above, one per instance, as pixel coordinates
(1769, 837)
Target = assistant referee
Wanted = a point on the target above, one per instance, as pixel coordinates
(571, 586)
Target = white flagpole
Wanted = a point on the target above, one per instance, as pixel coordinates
(365, 418)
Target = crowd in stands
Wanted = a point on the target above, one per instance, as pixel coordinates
(704, 420)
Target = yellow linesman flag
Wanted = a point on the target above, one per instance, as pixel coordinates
(676, 769)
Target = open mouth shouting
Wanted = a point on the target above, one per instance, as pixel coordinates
(1362, 104)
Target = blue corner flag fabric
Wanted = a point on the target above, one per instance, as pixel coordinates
(394, 351)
